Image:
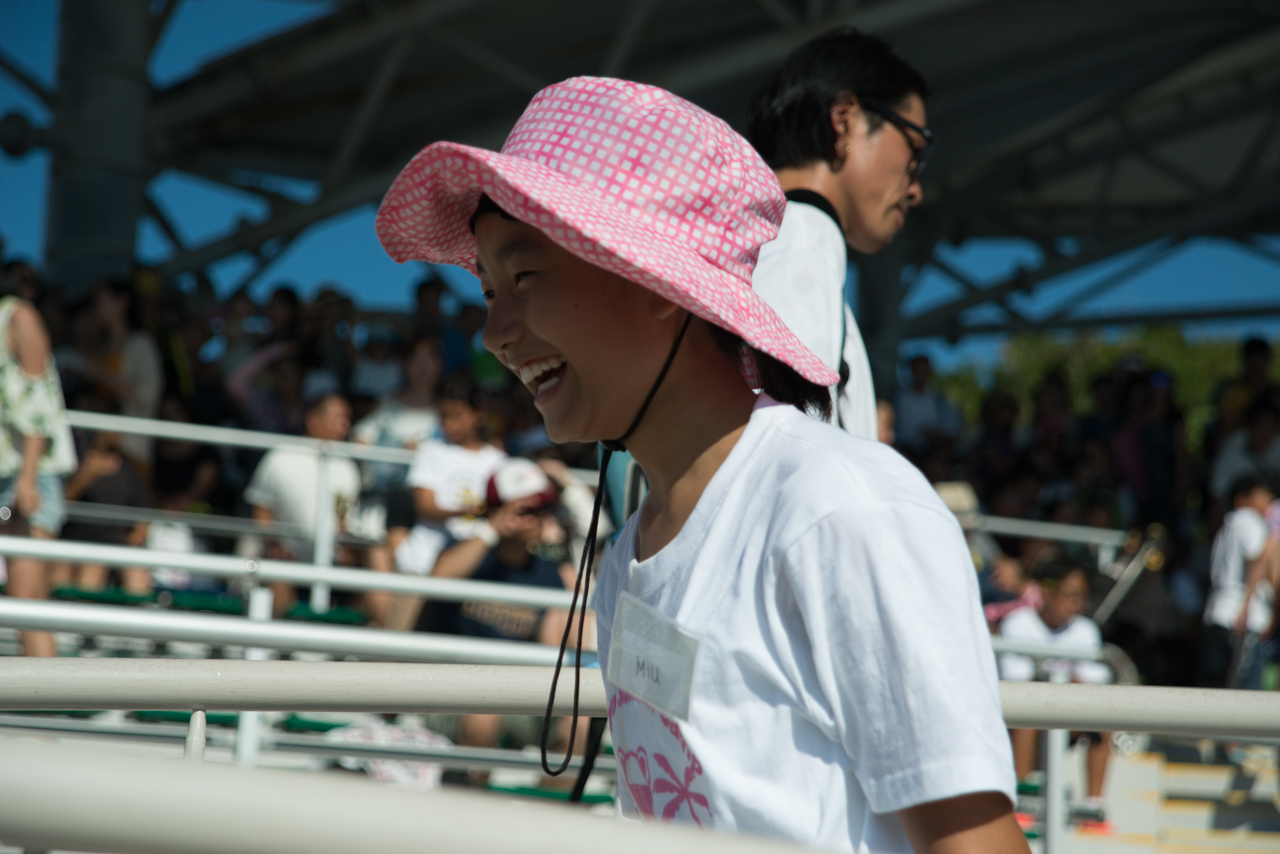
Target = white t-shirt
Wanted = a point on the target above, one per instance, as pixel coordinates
(801, 275)
(287, 482)
(457, 476)
(1241, 540)
(1024, 624)
(394, 425)
(844, 670)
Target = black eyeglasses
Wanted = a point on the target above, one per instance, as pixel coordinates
(918, 155)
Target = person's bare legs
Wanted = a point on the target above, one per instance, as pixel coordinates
(377, 603)
(1096, 764)
(60, 574)
(283, 596)
(27, 581)
(92, 577)
(136, 581)
(1024, 750)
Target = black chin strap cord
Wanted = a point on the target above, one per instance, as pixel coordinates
(583, 583)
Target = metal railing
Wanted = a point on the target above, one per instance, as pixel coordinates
(268, 571)
(454, 757)
(296, 686)
(85, 800)
(158, 625)
(187, 685)
(325, 524)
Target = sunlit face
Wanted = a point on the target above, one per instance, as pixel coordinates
(586, 343)
(460, 422)
(1065, 599)
(331, 420)
(875, 177)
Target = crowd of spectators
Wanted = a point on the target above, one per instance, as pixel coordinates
(1125, 462)
(421, 381)
(321, 368)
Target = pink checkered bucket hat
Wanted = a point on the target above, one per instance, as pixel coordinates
(627, 177)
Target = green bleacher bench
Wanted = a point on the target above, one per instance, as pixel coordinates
(107, 596)
(338, 616)
(298, 723)
(550, 794)
(224, 719)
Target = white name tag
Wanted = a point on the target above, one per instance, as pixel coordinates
(651, 657)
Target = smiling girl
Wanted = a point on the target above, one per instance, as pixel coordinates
(789, 626)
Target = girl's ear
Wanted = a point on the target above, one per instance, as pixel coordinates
(660, 308)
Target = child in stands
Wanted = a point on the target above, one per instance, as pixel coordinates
(1058, 619)
(1244, 568)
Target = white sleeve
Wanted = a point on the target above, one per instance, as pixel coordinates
(1253, 534)
(898, 661)
(1013, 667)
(425, 468)
(264, 487)
(794, 278)
(1084, 632)
(368, 428)
(858, 403)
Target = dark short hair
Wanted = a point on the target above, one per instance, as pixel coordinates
(789, 117)
(1259, 409)
(287, 293)
(1246, 484)
(1056, 570)
(320, 401)
(461, 388)
(1255, 347)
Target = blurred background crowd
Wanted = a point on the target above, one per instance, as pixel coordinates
(1152, 430)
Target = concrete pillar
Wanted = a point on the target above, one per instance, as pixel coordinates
(99, 164)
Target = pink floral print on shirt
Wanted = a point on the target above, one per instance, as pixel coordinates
(647, 784)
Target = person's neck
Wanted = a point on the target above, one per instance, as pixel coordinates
(818, 178)
(417, 398)
(695, 420)
(473, 444)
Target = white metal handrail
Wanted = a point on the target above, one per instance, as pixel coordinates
(1043, 530)
(185, 684)
(73, 798)
(32, 615)
(454, 756)
(118, 515)
(233, 437)
(266, 571)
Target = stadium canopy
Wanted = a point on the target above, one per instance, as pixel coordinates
(1095, 129)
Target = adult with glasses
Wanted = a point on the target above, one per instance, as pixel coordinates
(841, 121)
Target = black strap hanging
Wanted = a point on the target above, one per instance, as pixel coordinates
(583, 581)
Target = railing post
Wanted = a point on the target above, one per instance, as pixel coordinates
(1055, 819)
(249, 727)
(325, 517)
(195, 736)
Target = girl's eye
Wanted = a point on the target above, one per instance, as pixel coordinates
(489, 296)
(522, 275)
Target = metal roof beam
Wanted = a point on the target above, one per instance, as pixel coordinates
(1246, 312)
(752, 55)
(375, 94)
(496, 65)
(628, 37)
(1221, 217)
(248, 238)
(225, 86)
(25, 80)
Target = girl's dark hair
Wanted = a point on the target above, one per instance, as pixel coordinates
(789, 117)
(779, 381)
(124, 288)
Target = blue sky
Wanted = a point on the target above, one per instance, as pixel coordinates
(345, 251)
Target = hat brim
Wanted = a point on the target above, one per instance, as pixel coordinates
(426, 213)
